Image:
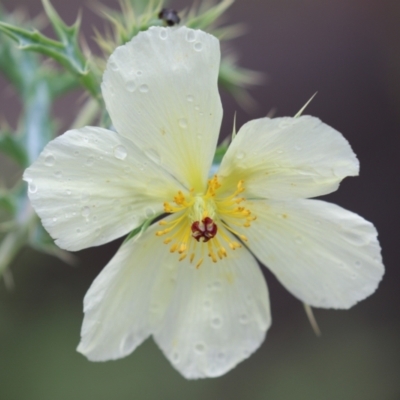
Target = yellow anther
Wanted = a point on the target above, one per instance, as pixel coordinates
(244, 238)
(192, 257)
(182, 248)
(247, 225)
(168, 240)
(182, 257)
(199, 263)
(163, 223)
(173, 248)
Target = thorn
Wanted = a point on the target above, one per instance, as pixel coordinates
(305, 106)
(311, 318)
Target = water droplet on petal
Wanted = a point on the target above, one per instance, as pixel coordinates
(76, 153)
(240, 155)
(198, 46)
(189, 98)
(130, 86)
(120, 152)
(163, 34)
(78, 231)
(138, 73)
(175, 357)
(68, 192)
(58, 174)
(89, 161)
(207, 304)
(128, 344)
(49, 160)
(190, 36)
(200, 348)
(216, 322)
(183, 123)
(85, 212)
(243, 319)
(217, 285)
(149, 212)
(197, 108)
(113, 65)
(54, 219)
(144, 88)
(358, 264)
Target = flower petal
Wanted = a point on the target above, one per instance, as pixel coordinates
(119, 309)
(286, 158)
(323, 254)
(161, 92)
(218, 315)
(90, 186)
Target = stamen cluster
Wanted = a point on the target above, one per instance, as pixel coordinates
(204, 217)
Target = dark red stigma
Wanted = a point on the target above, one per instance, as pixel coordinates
(205, 229)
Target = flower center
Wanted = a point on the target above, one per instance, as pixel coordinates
(202, 221)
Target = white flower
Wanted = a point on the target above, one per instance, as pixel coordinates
(190, 280)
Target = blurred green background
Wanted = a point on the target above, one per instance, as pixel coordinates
(348, 51)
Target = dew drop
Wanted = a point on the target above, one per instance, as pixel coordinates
(190, 36)
(197, 108)
(120, 152)
(113, 65)
(89, 161)
(175, 357)
(198, 46)
(217, 285)
(189, 98)
(85, 212)
(163, 34)
(149, 212)
(243, 319)
(183, 123)
(144, 88)
(76, 153)
(78, 231)
(49, 160)
(153, 155)
(130, 86)
(138, 73)
(216, 322)
(129, 343)
(54, 219)
(240, 155)
(58, 174)
(358, 264)
(207, 304)
(68, 192)
(200, 348)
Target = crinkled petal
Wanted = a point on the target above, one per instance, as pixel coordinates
(119, 306)
(90, 186)
(285, 158)
(161, 92)
(218, 315)
(323, 254)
